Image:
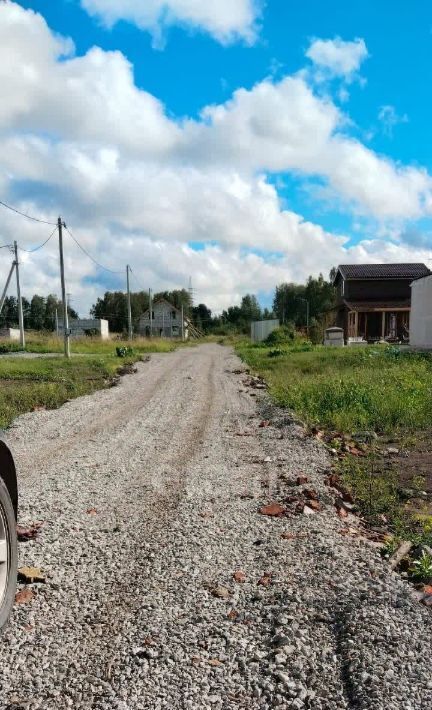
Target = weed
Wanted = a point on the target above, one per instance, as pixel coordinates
(421, 569)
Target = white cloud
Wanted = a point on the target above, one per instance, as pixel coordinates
(337, 57)
(226, 20)
(79, 138)
(390, 118)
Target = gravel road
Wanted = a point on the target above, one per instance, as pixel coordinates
(150, 494)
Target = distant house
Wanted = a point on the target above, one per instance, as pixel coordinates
(374, 300)
(96, 327)
(165, 321)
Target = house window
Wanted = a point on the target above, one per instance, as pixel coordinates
(174, 315)
(153, 315)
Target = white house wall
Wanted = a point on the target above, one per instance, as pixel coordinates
(421, 313)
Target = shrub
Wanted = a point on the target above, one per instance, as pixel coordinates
(124, 351)
(281, 335)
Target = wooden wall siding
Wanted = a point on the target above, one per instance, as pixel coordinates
(376, 290)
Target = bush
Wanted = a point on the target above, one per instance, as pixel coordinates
(10, 348)
(282, 335)
(124, 351)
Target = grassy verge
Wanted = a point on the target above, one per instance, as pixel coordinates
(48, 382)
(378, 388)
(374, 390)
(40, 343)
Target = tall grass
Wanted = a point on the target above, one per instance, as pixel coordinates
(377, 388)
(47, 343)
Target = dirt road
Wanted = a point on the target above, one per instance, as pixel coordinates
(149, 493)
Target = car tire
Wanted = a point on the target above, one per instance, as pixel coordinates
(8, 555)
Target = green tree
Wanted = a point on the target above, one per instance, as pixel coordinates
(202, 317)
(37, 312)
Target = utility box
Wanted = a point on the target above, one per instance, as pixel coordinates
(334, 336)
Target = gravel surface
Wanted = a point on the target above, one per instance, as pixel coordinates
(150, 494)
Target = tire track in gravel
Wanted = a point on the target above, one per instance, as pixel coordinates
(127, 620)
(161, 503)
(126, 408)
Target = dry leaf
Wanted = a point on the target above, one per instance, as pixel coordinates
(215, 662)
(24, 596)
(239, 576)
(92, 511)
(265, 423)
(221, 592)
(272, 509)
(265, 580)
(30, 575)
(30, 532)
(301, 480)
(233, 614)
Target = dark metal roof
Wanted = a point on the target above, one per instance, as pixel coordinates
(378, 305)
(383, 271)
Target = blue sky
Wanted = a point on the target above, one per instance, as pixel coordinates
(378, 113)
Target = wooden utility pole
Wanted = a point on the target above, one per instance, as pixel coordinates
(182, 323)
(63, 289)
(150, 313)
(129, 309)
(20, 310)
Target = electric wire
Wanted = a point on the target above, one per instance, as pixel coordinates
(28, 216)
(30, 251)
(101, 266)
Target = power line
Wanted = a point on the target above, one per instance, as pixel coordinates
(30, 251)
(23, 214)
(5, 246)
(101, 266)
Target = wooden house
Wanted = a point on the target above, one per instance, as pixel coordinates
(374, 300)
(165, 321)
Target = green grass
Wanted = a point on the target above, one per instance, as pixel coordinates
(379, 388)
(40, 343)
(49, 382)
(26, 384)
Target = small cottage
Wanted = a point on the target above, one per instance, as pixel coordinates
(374, 300)
(165, 321)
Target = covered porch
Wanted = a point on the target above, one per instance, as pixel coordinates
(373, 322)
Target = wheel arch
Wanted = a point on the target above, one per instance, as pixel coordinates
(8, 473)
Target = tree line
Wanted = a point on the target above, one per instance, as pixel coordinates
(39, 313)
(291, 303)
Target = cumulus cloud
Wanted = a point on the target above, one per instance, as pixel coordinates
(226, 20)
(79, 138)
(336, 57)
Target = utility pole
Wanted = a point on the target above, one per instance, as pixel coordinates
(151, 313)
(63, 289)
(129, 309)
(182, 323)
(20, 310)
(3, 296)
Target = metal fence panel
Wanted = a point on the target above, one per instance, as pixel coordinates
(261, 329)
